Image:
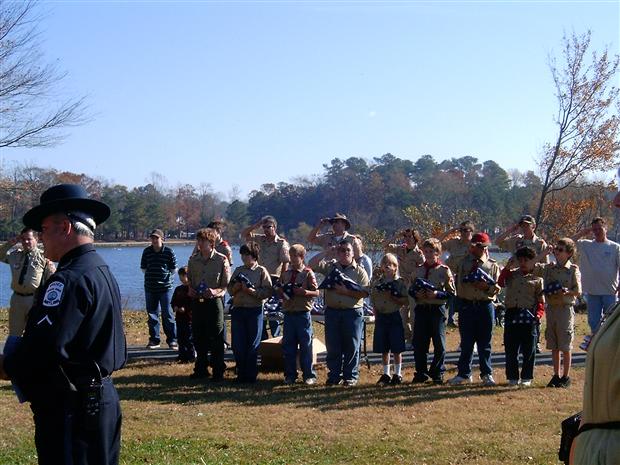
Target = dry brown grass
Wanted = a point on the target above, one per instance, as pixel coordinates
(170, 419)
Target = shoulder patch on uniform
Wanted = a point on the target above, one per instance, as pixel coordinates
(53, 294)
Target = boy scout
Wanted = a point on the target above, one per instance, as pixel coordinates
(560, 314)
(524, 308)
(29, 270)
(343, 315)
(476, 312)
(409, 255)
(209, 274)
(431, 313)
(273, 255)
(297, 319)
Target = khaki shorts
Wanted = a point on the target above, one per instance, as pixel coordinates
(560, 330)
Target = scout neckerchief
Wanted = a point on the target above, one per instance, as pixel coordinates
(428, 267)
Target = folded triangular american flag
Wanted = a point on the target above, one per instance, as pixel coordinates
(335, 276)
(421, 284)
(479, 276)
(389, 286)
(287, 289)
(243, 279)
(554, 287)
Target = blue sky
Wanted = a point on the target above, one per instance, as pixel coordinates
(245, 93)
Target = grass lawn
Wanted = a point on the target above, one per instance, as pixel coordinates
(170, 419)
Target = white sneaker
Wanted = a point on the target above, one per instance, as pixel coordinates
(526, 382)
(487, 380)
(513, 382)
(476, 349)
(460, 380)
(310, 381)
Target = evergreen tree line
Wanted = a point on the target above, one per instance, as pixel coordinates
(379, 196)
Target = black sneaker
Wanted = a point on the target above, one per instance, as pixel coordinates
(420, 378)
(198, 375)
(349, 382)
(332, 382)
(555, 381)
(396, 379)
(564, 382)
(385, 379)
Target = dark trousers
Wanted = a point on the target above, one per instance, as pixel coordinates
(186, 340)
(475, 327)
(61, 437)
(430, 324)
(520, 338)
(208, 333)
(246, 328)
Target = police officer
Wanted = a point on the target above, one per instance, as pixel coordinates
(74, 337)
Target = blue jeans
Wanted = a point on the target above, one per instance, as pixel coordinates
(343, 335)
(246, 327)
(155, 301)
(297, 332)
(597, 304)
(475, 326)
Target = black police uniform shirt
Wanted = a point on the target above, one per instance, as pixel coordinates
(75, 320)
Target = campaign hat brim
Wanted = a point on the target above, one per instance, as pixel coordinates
(341, 218)
(35, 216)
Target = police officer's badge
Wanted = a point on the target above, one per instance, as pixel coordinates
(53, 294)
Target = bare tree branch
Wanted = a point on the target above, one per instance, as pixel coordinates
(33, 115)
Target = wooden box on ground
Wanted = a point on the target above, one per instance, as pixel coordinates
(270, 351)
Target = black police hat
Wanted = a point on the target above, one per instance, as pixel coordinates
(65, 198)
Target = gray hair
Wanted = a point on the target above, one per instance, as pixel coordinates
(83, 223)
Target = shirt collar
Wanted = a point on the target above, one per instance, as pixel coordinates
(75, 252)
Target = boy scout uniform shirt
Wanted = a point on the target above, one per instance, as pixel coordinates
(523, 290)
(272, 254)
(514, 243)
(408, 259)
(214, 271)
(259, 276)
(567, 275)
(440, 276)
(382, 301)
(75, 320)
(307, 279)
(469, 291)
(354, 271)
(457, 250)
(39, 270)
(329, 239)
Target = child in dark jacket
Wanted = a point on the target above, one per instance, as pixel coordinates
(181, 305)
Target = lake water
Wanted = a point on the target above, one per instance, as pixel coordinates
(125, 265)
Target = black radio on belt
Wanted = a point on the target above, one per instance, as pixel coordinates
(92, 403)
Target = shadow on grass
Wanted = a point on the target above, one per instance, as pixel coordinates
(173, 389)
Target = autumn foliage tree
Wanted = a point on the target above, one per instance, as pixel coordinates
(587, 120)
